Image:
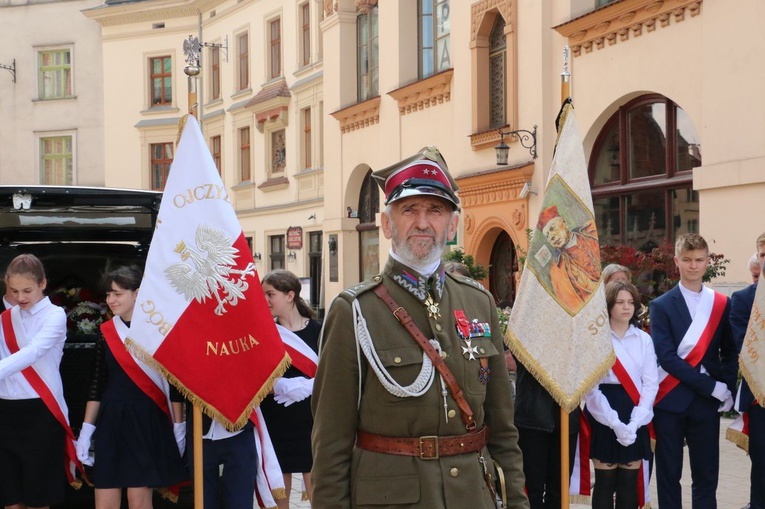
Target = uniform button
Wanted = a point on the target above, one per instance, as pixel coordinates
(397, 360)
(451, 413)
(444, 355)
(482, 350)
(454, 472)
(438, 327)
(377, 278)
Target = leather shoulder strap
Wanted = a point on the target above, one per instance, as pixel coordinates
(403, 317)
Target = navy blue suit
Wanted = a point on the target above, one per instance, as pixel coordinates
(689, 411)
(740, 309)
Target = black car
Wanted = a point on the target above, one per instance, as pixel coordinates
(79, 233)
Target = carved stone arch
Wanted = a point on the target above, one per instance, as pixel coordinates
(486, 233)
(355, 183)
(482, 16)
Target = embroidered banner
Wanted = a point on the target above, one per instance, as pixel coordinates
(559, 327)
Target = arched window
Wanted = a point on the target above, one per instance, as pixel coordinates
(641, 174)
(497, 73)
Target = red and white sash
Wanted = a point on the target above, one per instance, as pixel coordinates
(147, 379)
(301, 354)
(269, 483)
(629, 377)
(697, 338)
(738, 431)
(47, 384)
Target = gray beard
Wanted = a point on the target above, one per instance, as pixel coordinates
(402, 249)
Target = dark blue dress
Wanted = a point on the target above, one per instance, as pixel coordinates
(134, 441)
(290, 427)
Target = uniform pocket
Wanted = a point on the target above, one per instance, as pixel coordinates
(388, 490)
(484, 348)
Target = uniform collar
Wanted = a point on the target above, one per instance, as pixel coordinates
(414, 282)
(37, 307)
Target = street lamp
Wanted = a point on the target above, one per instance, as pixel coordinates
(528, 140)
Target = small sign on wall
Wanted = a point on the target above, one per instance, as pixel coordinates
(295, 237)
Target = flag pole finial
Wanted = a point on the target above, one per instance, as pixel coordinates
(565, 77)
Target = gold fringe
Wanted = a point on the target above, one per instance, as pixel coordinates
(646, 506)
(580, 499)
(167, 494)
(304, 496)
(181, 126)
(279, 493)
(568, 403)
(208, 409)
(759, 393)
(737, 437)
(76, 483)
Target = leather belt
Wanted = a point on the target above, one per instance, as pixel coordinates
(429, 447)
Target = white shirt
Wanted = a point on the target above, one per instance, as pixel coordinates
(426, 270)
(691, 299)
(641, 355)
(219, 432)
(45, 327)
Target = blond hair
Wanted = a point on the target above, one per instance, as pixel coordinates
(611, 269)
(690, 242)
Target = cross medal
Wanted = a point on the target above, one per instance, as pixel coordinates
(469, 349)
(432, 307)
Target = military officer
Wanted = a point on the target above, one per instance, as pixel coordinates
(393, 429)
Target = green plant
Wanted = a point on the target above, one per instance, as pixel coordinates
(477, 271)
(523, 253)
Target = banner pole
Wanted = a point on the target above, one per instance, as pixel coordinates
(199, 500)
(191, 48)
(565, 93)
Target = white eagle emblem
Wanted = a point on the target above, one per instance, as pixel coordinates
(211, 272)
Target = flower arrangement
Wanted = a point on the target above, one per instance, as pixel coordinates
(504, 316)
(84, 310)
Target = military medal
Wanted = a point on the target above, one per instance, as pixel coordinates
(463, 325)
(469, 350)
(432, 307)
(484, 371)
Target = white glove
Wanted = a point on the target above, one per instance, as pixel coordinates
(291, 390)
(726, 405)
(83, 444)
(721, 392)
(641, 416)
(632, 427)
(179, 430)
(624, 435)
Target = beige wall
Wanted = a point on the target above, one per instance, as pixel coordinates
(133, 32)
(26, 28)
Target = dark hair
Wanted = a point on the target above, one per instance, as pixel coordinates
(127, 277)
(612, 292)
(26, 265)
(286, 282)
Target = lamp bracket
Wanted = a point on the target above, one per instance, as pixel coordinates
(528, 139)
(11, 69)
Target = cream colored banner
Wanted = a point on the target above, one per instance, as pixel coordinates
(559, 325)
(752, 357)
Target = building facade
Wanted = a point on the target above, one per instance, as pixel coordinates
(51, 95)
(260, 104)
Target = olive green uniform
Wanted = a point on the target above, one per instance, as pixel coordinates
(345, 476)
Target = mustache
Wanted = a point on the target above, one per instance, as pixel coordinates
(425, 231)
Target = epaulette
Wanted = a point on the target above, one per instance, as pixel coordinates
(467, 281)
(359, 288)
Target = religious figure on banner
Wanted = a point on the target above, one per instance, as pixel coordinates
(567, 261)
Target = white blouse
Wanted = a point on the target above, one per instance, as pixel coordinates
(45, 327)
(640, 358)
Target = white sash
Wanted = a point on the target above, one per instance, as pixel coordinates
(699, 323)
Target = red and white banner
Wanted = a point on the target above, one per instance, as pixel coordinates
(201, 317)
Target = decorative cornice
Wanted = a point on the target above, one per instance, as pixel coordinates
(478, 9)
(358, 116)
(615, 23)
(124, 14)
(490, 138)
(493, 187)
(425, 93)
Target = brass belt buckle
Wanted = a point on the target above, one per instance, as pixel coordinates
(434, 438)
